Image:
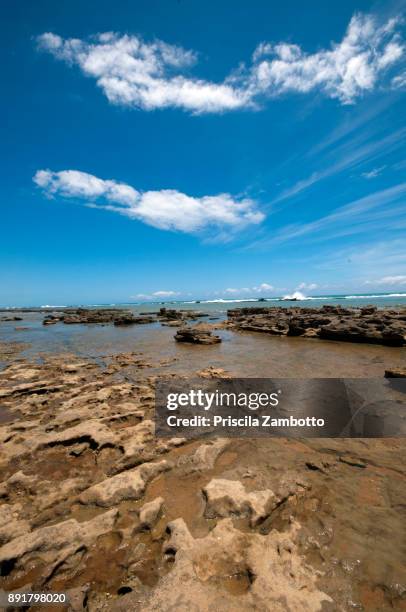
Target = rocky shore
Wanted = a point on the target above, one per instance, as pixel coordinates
(366, 324)
(93, 504)
(117, 316)
(362, 325)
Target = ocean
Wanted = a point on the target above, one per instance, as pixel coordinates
(221, 305)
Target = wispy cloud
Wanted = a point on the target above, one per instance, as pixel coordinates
(152, 75)
(167, 209)
(369, 259)
(399, 81)
(156, 295)
(358, 216)
(347, 156)
(262, 288)
(307, 286)
(354, 120)
(394, 281)
(371, 174)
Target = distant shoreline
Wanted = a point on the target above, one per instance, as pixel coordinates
(336, 299)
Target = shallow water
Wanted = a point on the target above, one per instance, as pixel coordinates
(242, 354)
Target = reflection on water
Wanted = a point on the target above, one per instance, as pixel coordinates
(242, 354)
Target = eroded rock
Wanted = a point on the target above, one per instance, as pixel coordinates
(229, 498)
(126, 485)
(149, 513)
(196, 336)
(366, 324)
(54, 542)
(206, 570)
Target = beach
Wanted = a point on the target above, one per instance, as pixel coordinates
(93, 504)
(203, 307)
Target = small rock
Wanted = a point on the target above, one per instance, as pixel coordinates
(149, 512)
(196, 336)
(228, 497)
(395, 373)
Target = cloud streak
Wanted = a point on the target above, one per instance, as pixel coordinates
(371, 174)
(378, 210)
(167, 209)
(156, 75)
(396, 281)
(349, 156)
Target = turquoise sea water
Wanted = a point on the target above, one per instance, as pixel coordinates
(387, 300)
(221, 305)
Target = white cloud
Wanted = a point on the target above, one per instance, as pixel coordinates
(144, 75)
(167, 209)
(344, 71)
(263, 287)
(235, 290)
(156, 295)
(399, 81)
(373, 173)
(307, 286)
(395, 281)
(163, 294)
(152, 75)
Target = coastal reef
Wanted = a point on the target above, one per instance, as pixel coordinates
(368, 324)
(117, 316)
(93, 504)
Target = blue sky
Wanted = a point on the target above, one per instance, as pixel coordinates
(201, 149)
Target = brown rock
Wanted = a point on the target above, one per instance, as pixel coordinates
(126, 485)
(196, 336)
(395, 373)
(229, 498)
(150, 512)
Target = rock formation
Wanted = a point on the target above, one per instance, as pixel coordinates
(92, 503)
(194, 335)
(366, 324)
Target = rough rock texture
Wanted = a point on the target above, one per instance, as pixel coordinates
(56, 542)
(206, 570)
(229, 498)
(130, 319)
(396, 373)
(196, 336)
(93, 504)
(149, 513)
(366, 324)
(125, 486)
(170, 315)
(85, 315)
(117, 316)
(207, 454)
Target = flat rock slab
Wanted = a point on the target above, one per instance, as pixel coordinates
(126, 485)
